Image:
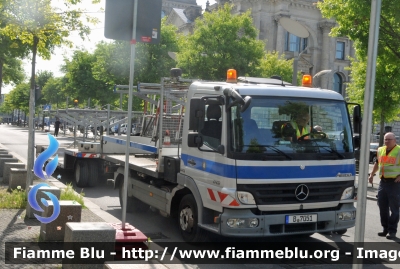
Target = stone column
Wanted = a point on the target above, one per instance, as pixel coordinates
(280, 35)
(327, 53)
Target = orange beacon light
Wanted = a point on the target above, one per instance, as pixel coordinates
(306, 81)
(231, 76)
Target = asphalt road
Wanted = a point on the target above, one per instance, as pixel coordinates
(161, 229)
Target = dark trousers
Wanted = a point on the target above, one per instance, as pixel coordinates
(389, 198)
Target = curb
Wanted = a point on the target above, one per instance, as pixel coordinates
(95, 209)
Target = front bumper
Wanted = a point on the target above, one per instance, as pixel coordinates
(274, 224)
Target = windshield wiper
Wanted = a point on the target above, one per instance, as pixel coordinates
(278, 151)
(331, 150)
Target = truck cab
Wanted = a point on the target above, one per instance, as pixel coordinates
(250, 177)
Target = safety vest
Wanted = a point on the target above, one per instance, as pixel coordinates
(389, 164)
(303, 131)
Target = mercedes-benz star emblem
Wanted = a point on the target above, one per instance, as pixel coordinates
(302, 192)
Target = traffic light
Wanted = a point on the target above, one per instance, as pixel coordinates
(75, 103)
(38, 92)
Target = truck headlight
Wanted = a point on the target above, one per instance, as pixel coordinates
(246, 198)
(243, 223)
(347, 215)
(347, 193)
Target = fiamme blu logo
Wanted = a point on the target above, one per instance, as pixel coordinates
(44, 175)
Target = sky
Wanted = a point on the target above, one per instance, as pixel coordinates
(97, 35)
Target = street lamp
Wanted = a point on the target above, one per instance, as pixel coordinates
(76, 103)
(295, 28)
(321, 74)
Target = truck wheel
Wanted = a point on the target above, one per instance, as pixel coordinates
(188, 220)
(132, 203)
(93, 173)
(341, 232)
(81, 174)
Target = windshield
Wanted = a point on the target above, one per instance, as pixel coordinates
(291, 129)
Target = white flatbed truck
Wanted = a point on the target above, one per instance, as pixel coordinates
(215, 157)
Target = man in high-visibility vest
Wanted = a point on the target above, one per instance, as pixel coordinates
(388, 163)
(295, 129)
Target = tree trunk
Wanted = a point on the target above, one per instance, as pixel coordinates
(31, 127)
(382, 129)
(1, 75)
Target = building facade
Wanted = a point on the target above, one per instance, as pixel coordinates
(318, 52)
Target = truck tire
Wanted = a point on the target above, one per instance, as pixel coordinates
(93, 168)
(341, 232)
(132, 203)
(188, 220)
(81, 174)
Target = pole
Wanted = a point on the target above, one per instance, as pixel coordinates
(108, 117)
(31, 129)
(366, 127)
(295, 63)
(128, 131)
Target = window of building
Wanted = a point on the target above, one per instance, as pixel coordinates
(295, 43)
(340, 50)
(337, 83)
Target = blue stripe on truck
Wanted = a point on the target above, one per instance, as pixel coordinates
(135, 145)
(268, 172)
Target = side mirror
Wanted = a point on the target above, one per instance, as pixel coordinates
(356, 141)
(247, 102)
(194, 140)
(357, 119)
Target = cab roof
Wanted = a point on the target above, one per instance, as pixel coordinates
(267, 89)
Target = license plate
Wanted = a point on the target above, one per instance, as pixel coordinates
(301, 218)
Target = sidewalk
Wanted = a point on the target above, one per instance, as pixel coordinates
(372, 189)
(15, 228)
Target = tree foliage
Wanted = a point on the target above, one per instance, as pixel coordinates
(353, 18)
(31, 21)
(221, 41)
(80, 81)
(93, 75)
(40, 27)
(53, 93)
(11, 70)
(274, 64)
(18, 98)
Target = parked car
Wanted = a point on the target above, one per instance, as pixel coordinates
(114, 129)
(373, 149)
(124, 129)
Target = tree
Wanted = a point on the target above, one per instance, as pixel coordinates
(272, 64)
(221, 41)
(37, 24)
(353, 18)
(40, 27)
(18, 98)
(11, 71)
(80, 82)
(10, 66)
(153, 61)
(386, 100)
(53, 92)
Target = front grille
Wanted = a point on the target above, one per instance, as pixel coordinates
(297, 227)
(284, 193)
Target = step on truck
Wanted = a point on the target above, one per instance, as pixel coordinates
(223, 157)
